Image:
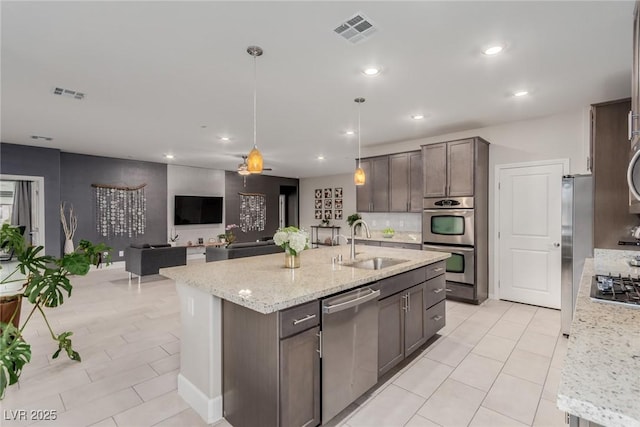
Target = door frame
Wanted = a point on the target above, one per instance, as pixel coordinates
(565, 163)
(40, 196)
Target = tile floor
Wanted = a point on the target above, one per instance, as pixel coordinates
(497, 364)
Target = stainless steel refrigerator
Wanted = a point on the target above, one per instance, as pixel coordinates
(577, 239)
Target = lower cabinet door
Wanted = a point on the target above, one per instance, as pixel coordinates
(414, 324)
(300, 380)
(390, 332)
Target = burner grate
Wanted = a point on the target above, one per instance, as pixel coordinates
(616, 289)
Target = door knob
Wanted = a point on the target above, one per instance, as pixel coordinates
(557, 245)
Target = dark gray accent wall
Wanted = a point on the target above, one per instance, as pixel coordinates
(44, 162)
(78, 172)
(270, 186)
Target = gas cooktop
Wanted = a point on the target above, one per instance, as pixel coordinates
(616, 289)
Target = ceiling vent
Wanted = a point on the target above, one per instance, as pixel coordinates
(356, 29)
(68, 93)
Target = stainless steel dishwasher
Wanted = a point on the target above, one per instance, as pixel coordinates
(349, 348)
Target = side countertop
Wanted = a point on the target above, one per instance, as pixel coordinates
(261, 283)
(398, 237)
(600, 378)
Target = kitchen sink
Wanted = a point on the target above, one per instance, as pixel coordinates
(376, 263)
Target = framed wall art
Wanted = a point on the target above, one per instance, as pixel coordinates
(318, 214)
(328, 193)
(337, 214)
(318, 193)
(338, 193)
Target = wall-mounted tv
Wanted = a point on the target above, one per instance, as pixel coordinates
(198, 210)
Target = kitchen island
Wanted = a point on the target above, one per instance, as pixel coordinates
(600, 378)
(261, 288)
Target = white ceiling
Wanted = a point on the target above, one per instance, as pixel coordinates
(154, 73)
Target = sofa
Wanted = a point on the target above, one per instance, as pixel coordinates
(144, 259)
(241, 250)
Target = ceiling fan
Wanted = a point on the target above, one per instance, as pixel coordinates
(243, 168)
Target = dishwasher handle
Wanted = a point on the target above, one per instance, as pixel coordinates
(329, 309)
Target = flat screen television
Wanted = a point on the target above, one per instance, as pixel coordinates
(198, 210)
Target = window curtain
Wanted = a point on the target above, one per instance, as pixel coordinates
(21, 212)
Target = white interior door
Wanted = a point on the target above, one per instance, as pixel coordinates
(529, 234)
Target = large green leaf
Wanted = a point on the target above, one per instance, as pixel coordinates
(14, 354)
(75, 263)
(11, 238)
(48, 286)
(31, 261)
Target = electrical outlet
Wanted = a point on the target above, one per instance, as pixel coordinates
(121, 253)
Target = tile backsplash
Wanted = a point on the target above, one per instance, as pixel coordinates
(399, 221)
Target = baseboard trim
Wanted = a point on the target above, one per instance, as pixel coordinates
(210, 409)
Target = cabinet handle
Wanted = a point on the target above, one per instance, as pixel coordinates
(437, 318)
(304, 319)
(319, 349)
(437, 291)
(439, 269)
(408, 302)
(449, 290)
(404, 302)
(630, 130)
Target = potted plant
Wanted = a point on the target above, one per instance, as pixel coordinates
(229, 236)
(353, 218)
(42, 280)
(173, 238)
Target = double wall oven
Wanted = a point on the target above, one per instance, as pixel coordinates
(448, 226)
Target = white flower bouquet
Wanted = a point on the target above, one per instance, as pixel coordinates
(292, 239)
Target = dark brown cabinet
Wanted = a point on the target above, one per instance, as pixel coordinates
(448, 168)
(300, 379)
(405, 182)
(408, 318)
(373, 196)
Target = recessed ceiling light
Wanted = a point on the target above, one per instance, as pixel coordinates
(521, 93)
(225, 138)
(371, 71)
(493, 50)
(320, 157)
(350, 132)
(168, 156)
(417, 116)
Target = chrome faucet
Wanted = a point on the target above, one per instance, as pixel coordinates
(337, 238)
(353, 240)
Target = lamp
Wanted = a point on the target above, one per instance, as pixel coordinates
(254, 161)
(359, 177)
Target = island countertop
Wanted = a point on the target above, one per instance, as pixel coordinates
(600, 378)
(262, 284)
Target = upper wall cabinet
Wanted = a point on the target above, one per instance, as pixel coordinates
(405, 182)
(373, 196)
(448, 168)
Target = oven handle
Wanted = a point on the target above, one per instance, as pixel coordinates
(448, 248)
(441, 211)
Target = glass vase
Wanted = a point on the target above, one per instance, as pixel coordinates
(291, 261)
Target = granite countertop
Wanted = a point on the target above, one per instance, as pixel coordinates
(398, 237)
(261, 283)
(600, 378)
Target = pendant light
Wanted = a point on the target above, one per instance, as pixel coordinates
(359, 177)
(254, 161)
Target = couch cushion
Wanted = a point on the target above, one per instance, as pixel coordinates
(247, 244)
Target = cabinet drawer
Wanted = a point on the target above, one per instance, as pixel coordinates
(393, 285)
(299, 318)
(435, 291)
(435, 269)
(458, 290)
(435, 319)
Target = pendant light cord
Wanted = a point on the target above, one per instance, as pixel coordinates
(255, 96)
(359, 156)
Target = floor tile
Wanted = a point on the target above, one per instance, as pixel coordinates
(127, 362)
(528, 366)
(449, 351)
(469, 332)
(418, 421)
(452, 322)
(477, 371)
(507, 329)
(392, 407)
(138, 346)
(51, 386)
(152, 412)
(167, 364)
(520, 313)
(101, 388)
(190, 418)
(424, 377)
(551, 383)
(485, 318)
(494, 347)
(548, 415)
(453, 404)
(560, 352)
(544, 326)
(171, 347)
(157, 386)
(534, 342)
(108, 422)
(488, 418)
(514, 397)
